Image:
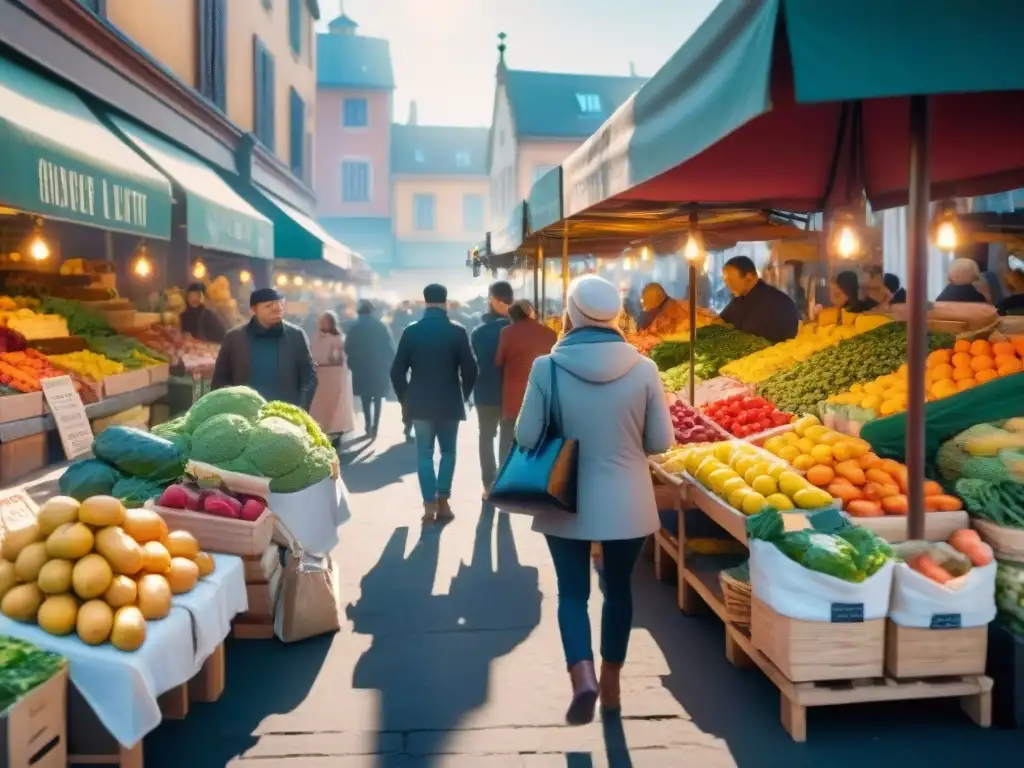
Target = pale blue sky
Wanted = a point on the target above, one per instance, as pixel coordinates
(444, 53)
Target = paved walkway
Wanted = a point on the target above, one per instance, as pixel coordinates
(450, 657)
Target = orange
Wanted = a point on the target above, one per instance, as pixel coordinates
(1002, 360)
(938, 357)
(982, 363)
(962, 346)
(942, 371)
(985, 375)
(981, 347)
(965, 384)
(1011, 367)
(962, 374)
(943, 388)
(1002, 348)
(962, 360)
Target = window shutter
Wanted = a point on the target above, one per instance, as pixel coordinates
(297, 132)
(295, 24)
(218, 69)
(258, 78)
(268, 98)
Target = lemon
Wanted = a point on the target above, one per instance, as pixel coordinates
(822, 454)
(812, 498)
(743, 446)
(693, 460)
(814, 433)
(830, 438)
(780, 501)
(737, 496)
(774, 444)
(732, 484)
(804, 462)
(765, 485)
(709, 465)
(743, 463)
(751, 475)
(717, 479)
(804, 422)
(789, 453)
(753, 502)
(791, 482)
(858, 447)
(805, 444)
(777, 469)
(790, 438)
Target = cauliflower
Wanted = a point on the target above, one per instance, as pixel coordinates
(277, 447)
(221, 438)
(242, 401)
(315, 467)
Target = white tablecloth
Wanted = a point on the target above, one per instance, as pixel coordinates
(312, 516)
(122, 688)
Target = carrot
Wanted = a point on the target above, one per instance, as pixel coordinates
(878, 476)
(851, 470)
(890, 466)
(965, 536)
(931, 488)
(927, 567)
(900, 478)
(895, 505)
(845, 492)
(864, 508)
(942, 503)
(869, 461)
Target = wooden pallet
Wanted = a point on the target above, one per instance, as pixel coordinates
(262, 583)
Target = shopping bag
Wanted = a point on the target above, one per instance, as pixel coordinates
(541, 479)
(969, 600)
(308, 603)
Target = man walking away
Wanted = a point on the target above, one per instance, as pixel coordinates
(519, 345)
(433, 376)
(370, 350)
(487, 392)
(268, 354)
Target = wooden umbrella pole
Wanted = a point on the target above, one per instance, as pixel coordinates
(565, 269)
(917, 311)
(693, 335)
(543, 311)
(538, 265)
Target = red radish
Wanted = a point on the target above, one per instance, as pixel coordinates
(251, 510)
(174, 497)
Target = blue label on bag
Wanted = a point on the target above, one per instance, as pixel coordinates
(946, 621)
(847, 613)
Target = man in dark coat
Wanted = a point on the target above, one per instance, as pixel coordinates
(268, 354)
(198, 320)
(433, 376)
(369, 349)
(487, 392)
(757, 308)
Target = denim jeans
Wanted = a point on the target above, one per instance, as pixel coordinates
(445, 434)
(572, 570)
(493, 426)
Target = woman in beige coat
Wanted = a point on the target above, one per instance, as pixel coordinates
(332, 404)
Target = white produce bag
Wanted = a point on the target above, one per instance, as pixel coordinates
(791, 590)
(966, 601)
(312, 516)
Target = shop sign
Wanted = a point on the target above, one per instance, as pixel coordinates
(103, 201)
(69, 414)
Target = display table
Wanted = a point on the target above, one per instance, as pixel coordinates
(696, 588)
(122, 688)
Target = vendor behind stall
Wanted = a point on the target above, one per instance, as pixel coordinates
(844, 292)
(199, 321)
(660, 312)
(757, 308)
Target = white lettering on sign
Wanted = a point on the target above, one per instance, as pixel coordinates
(76, 192)
(69, 414)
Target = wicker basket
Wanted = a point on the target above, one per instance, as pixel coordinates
(736, 595)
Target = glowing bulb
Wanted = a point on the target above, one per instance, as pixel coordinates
(282, 280)
(244, 277)
(946, 236)
(847, 242)
(142, 267)
(693, 252)
(39, 250)
(645, 254)
(318, 283)
(199, 270)
(627, 264)
(298, 280)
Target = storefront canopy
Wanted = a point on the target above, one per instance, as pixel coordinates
(299, 237)
(798, 104)
(60, 161)
(216, 217)
(509, 238)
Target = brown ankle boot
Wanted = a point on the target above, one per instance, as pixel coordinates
(584, 694)
(444, 512)
(611, 693)
(429, 512)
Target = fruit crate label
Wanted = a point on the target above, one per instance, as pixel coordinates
(847, 613)
(946, 621)
(69, 414)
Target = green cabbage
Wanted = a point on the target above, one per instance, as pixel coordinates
(223, 438)
(243, 401)
(315, 467)
(277, 447)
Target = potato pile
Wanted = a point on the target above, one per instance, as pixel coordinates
(95, 568)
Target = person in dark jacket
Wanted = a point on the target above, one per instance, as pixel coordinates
(487, 392)
(897, 294)
(844, 292)
(369, 349)
(433, 375)
(964, 276)
(198, 320)
(756, 307)
(268, 354)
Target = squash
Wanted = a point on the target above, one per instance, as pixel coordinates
(22, 602)
(70, 541)
(183, 575)
(121, 592)
(95, 620)
(101, 511)
(129, 629)
(205, 562)
(182, 544)
(30, 561)
(55, 577)
(155, 557)
(154, 596)
(91, 576)
(58, 614)
(7, 577)
(120, 549)
(20, 528)
(144, 525)
(56, 512)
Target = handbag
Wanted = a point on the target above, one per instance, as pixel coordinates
(541, 479)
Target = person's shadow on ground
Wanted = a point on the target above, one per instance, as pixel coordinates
(365, 471)
(431, 654)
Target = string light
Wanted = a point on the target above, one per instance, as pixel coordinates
(142, 267)
(298, 280)
(199, 270)
(245, 277)
(282, 280)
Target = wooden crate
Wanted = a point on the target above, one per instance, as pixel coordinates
(260, 568)
(263, 597)
(18, 407)
(806, 651)
(221, 534)
(913, 652)
(158, 374)
(1007, 543)
(250, 628)
(22, 457)
(33, 731)
(129, 381)
(89, 742)
(938, 526)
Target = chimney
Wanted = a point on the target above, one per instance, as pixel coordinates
(412, 113)
(632, 69)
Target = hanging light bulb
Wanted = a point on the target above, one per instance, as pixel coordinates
(845, 240)
(694, 251)
(645, 254)
(38, 248)
(245, 277)
(947, 232)
(627, 263)
(318, 283)
(282, 280)
(299, 280)
(142, 267)
(199, 270)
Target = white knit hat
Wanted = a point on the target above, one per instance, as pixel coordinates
(593, 301)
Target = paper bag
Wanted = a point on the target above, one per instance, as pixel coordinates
(307, 605)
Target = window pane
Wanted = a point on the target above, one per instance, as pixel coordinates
(473, 213)
(295, 24)
(355, 181)
(423, 212)
(462, 159)
(541, 170)
(354, 113)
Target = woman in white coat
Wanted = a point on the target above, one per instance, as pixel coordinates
(332, 403)
(612, 402)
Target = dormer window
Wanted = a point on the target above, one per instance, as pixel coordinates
(462, 159)
(421, 156)
(589, 103)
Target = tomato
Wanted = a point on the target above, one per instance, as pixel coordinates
(778, 419)
(764, 424)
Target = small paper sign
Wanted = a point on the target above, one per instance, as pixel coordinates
(946, 621)
(69, 414)
(847, 613)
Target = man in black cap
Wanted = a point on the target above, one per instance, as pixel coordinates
(433, 375)
(268, 354)
(197, 320)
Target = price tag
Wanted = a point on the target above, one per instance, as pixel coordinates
(69, 413)
(946, 621)
(847, 613)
